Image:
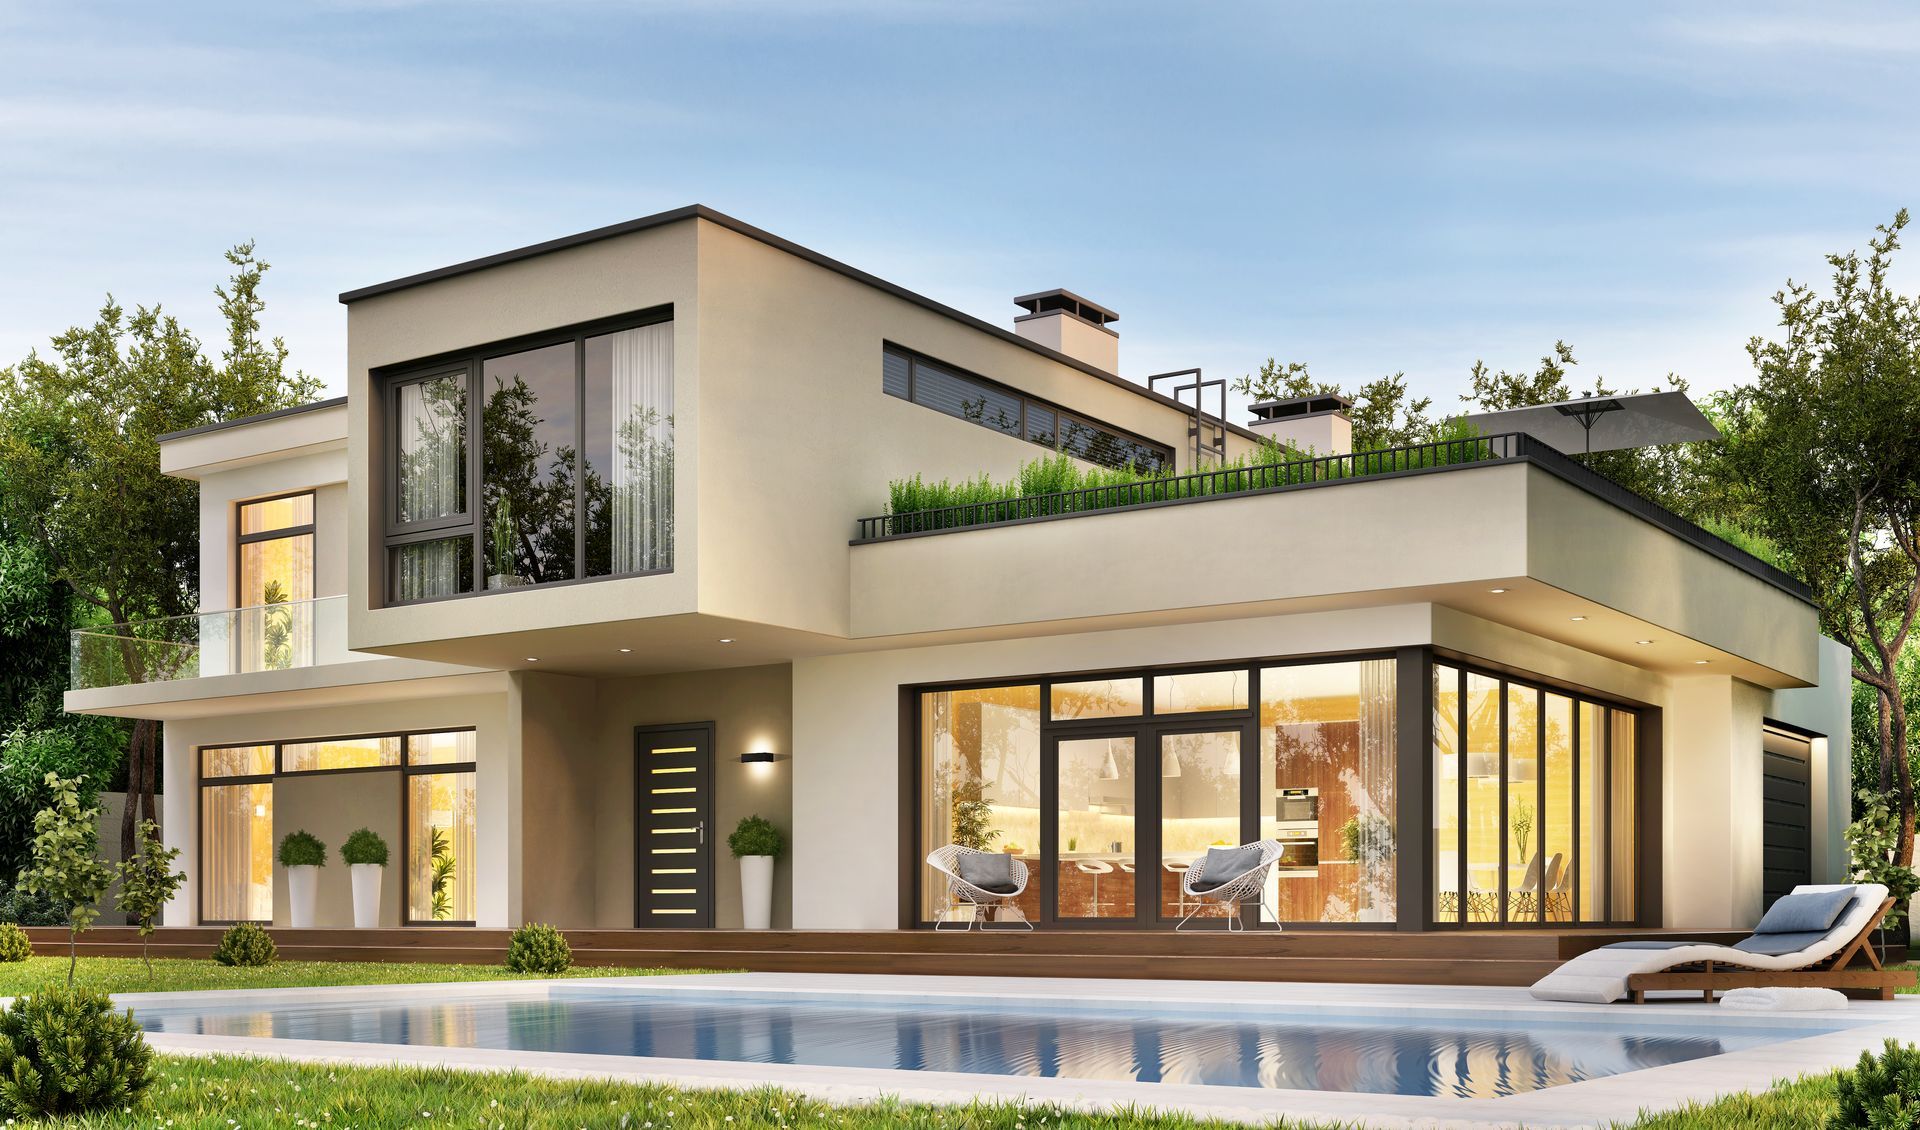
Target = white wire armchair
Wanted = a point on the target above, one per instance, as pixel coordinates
(977, 901)
(1252, 883)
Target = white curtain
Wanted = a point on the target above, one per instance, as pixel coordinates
(642, 424)
(433, 448)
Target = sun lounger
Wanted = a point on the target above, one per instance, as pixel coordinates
(1781, 952)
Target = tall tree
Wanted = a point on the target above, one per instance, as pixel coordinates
(79, 458)
(1823, 458)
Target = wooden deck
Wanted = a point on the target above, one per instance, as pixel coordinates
(1471, 957)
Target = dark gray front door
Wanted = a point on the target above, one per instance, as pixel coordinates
(673, 826)
(1787, 808)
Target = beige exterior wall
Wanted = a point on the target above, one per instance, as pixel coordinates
(551, 770)
(331, 806)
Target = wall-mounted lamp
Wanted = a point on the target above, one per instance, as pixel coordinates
(757, 757)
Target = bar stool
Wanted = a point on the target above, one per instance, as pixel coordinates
(1095, 868)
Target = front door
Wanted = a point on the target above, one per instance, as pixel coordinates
(673, 826)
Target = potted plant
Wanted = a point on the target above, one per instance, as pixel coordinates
(303, 855)
(756, 843)
(500, 538)
(366, 856)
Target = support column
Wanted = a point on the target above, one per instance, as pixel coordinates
(1711, 777)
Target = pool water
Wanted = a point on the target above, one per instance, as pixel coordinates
(1452, 1057)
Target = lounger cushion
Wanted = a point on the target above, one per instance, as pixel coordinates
(1773, 945)
(990, 871)
(1224, 865)
(1814, 912)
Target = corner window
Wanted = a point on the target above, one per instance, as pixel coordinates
(567, 446)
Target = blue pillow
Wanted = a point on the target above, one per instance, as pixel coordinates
(1814, 912)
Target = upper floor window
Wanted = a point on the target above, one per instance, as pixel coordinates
(274, 551)
(526, 465)
(943, 388)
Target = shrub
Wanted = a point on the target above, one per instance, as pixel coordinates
(302, 849)
(756, 836)
(538, 948)
(14, 944)
(364, 846)
(67, 1052)
(30, 909)
(245, 944)
(1882, 1090)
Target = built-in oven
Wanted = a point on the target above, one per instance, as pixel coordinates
(1299, 854)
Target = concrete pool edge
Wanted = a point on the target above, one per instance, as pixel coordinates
(1615, 1098)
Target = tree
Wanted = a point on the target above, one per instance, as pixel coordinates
(1822, 457)
(1383, 413)
(80, 463)
(148, 883)
(66, 861)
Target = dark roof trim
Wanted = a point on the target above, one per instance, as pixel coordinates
(240, 421)
(702, 212)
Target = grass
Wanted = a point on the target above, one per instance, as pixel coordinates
(226, 1091)
(127, 975)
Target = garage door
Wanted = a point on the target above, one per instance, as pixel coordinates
(1788, 811)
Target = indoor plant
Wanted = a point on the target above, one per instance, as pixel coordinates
(366, 857)
(303, 855)
(756, 843)
(500, 539)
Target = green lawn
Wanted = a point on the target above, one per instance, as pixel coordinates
(225, 1092)
(127, 975)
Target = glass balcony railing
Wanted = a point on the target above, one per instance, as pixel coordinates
(268, 637)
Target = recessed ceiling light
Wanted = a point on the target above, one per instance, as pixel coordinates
(626, 651)
(1643, 643)
(533, 659)
(1496, 592)
(1576, 619)
(726, 641)
(1701, 662)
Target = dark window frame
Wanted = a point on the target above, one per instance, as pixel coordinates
(470, 363)
(404, 770)
(307, 529)
(1061, 415)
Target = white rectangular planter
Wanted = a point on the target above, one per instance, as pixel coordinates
(303, 894)
(366, 894)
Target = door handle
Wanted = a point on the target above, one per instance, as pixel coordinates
(701, 827)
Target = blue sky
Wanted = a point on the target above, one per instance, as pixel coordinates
(1365, 187)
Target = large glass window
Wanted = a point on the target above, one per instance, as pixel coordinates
(275, 550)
(574, 474)
(440, 847)
(980, 774)
(1551, 796)
(1096, 827)
(1327, 774)
(339, 753)
(1097, 698)
(1199, 806)
(236, 834)
(943, 388)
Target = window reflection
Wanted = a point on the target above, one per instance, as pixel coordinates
(980, 773)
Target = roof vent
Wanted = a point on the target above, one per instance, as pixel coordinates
(1318, 424)
(1067, 323)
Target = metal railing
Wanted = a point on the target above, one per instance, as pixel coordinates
(268, 637)
(1230, 482)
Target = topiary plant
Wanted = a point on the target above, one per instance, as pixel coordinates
(14, 944)
(67, 1052)
(756, 836)
(245, 943)
(364, 846)
(302, 849)
(538, 948)
(1881, 1090)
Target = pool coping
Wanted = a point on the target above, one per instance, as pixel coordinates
(1595, 1102)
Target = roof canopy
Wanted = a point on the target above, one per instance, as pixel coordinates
(1604, 423)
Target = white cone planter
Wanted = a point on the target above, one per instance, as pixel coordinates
(756, 891)
(303, 894)
(366, 894)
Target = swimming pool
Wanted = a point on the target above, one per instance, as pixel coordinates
(1462, 1055)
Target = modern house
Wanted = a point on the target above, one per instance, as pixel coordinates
(594, 559)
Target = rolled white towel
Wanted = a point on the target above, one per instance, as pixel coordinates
(1793, 999)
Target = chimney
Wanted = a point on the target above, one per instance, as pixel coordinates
(1318, 424)
(1067, 323)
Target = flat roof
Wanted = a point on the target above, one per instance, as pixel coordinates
(242, 421)
(702, 212)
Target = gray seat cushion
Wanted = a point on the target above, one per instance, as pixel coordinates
(1775, 945)
(991, 871)
(1224, 865)
(1814, 912)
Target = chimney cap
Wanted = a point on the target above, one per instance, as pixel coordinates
(1061, 299)
(1300, 406)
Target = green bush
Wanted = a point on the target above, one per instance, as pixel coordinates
(756, 836)
(539, 948)
(67, 1052)
(302, 849)
(364, 846)
(1880, 1091)
(245, 944)
(14, 944)
(31, 909)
